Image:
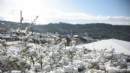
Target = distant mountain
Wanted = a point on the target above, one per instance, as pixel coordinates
(7, 25)
(94, 30)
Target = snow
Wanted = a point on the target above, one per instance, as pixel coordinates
(68, 69)
(94, 57)
(119, 46)
(47, 68)
(37, 65)
(15, 71)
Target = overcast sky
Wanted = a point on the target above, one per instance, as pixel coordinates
(69, 11)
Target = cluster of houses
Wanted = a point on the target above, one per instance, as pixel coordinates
(43, 38)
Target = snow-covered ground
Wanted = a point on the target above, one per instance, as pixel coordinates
(104, 56)
(119, 46)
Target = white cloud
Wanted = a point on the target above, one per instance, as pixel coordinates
(72, 17)
(55, 16)
(47, 13)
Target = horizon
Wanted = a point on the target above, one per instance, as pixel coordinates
(67, 23)
(114, 12)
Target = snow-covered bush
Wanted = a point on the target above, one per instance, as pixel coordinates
(56, 57)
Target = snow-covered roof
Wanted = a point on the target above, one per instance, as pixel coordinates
(120, 46)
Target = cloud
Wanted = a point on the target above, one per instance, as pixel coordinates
(73, 17)
(48, 13)
(55, 16)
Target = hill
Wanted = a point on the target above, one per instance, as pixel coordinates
(94, 30)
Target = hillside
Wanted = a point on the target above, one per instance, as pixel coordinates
(94, 30)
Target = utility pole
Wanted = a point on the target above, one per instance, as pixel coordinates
(21, 21)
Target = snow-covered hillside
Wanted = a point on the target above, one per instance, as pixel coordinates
(119, 46)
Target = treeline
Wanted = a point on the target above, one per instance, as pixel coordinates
(94, 30)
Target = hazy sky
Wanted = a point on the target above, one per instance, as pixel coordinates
(70, 11)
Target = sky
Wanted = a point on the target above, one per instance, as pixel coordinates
(69, 11)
